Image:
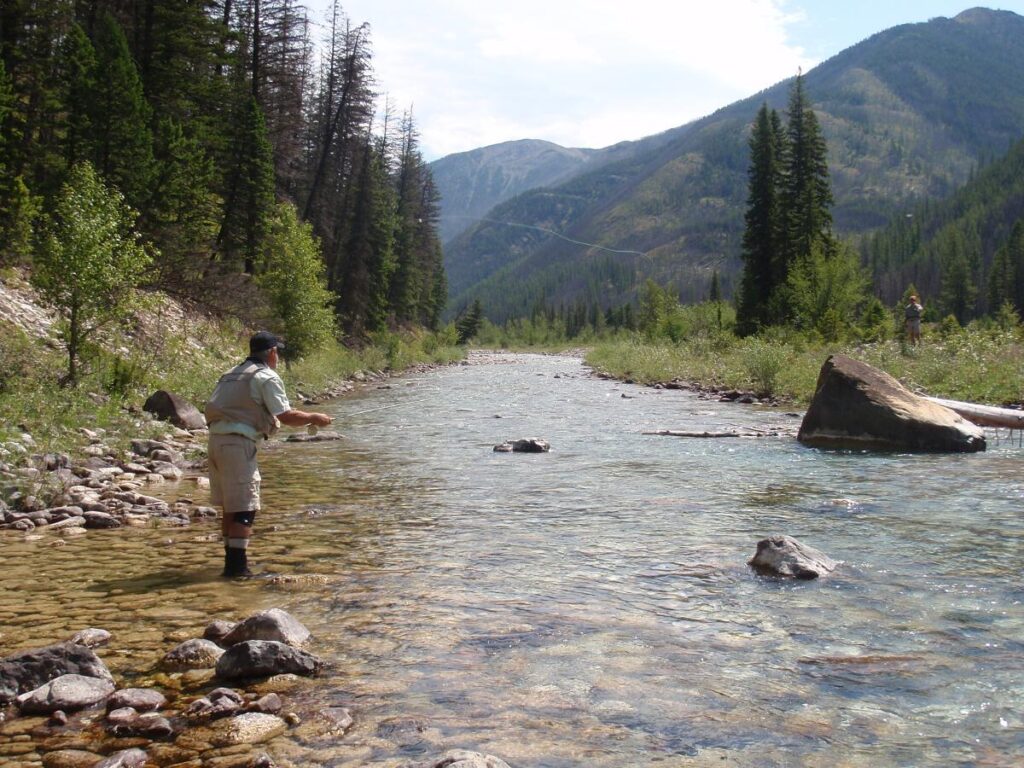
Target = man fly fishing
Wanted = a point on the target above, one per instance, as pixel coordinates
(247, 405)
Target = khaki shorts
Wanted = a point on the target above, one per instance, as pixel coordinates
(234, 475)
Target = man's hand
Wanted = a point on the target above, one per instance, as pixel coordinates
(294, 418)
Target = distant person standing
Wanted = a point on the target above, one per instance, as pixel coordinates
(913, 313)
(245, 409)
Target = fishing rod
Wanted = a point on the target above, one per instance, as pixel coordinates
(371, 410)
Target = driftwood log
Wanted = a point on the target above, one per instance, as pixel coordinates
(727, 433)
(984, 415)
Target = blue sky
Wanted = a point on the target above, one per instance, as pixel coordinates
(589, 73)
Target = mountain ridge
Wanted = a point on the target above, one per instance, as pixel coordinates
(907, 113)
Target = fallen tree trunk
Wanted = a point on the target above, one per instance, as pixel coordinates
(984, 415)
(679, 433)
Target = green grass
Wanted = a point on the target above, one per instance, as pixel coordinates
(980, 364)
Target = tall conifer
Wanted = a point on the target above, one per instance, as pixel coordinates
(121, 139)
(250, 196)
(807, 191)
(761, 234)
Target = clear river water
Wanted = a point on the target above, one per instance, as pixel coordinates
(591, 606)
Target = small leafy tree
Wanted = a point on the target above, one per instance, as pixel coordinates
(826, 289)
(90, 260)
(293, 281)
(654, 308)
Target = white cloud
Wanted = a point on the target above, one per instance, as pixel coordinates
(577, 72)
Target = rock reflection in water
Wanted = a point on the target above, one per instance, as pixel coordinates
(591, 605)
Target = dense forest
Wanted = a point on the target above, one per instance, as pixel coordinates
(259, 167)
(965, 252)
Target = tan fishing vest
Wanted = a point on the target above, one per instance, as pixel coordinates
(232, 401)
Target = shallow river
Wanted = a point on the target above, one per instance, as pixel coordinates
(592, 606)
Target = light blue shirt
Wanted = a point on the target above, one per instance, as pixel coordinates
(266, 389)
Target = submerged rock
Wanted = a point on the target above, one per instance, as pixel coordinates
(218, 629)
(139, 699)
(785, 556)
(219, 702)
(525, 445)
(460, 758)
(65, 693)
(193, 654)
(857, 406)
(128, 758)
(249, 728)
(91, 637)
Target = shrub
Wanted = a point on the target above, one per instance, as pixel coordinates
(764, 360)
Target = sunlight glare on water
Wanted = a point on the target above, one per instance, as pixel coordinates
(592, 606)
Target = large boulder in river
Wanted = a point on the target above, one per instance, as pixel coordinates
(857, 406)
(167, 406)
(787, 557)
(28, 670)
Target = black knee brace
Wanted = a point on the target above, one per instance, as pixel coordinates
(245, 518)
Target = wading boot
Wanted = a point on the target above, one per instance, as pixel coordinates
(236, 564)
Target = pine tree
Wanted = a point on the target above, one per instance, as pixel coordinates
(468, 324)
(78, 71)
(1015, 255)
(370, 263)
(1001, 280)
(761, 235)
(250, 194)
(806, 193)
(18, 206)
(958, 291)
(121, 139)
(183, 216)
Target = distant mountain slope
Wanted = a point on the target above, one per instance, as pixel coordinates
(907, 114)
(471, 183)
(982, 214)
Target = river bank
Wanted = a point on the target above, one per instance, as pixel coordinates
(979, 365)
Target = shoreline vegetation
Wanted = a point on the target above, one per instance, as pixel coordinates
(165, 346)
(981, 364)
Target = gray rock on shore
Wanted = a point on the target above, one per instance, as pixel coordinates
(28, 670)
(785, 556)
(177, 410)
(65, 693)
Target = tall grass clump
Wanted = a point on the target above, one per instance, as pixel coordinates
(764, 360)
